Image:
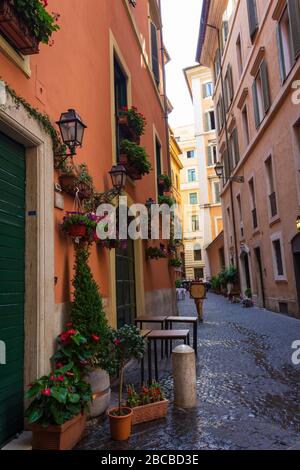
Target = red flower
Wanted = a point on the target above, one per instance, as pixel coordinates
(60, 378)
(71, 332)
(69, 325)
(117, 341)
(95, 337)
(46, 392)
(58, 365)
(64, 337)
(52, 377)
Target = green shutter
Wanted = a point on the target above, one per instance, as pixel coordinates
(255, 105)
(230, 78)
(154, 51)
(236, 145)
(209, 155)
(294, 14)
(12, 285)
(280, 54)
(252, 17)
(265, 85)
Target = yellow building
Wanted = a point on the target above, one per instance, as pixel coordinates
(176, 167)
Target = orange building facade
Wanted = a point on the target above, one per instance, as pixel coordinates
(253, 49)
(99, 45)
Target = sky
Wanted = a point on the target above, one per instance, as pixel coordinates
(181, 20)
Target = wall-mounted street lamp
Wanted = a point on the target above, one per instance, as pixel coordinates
(219, 169)
(149, 203)
(72, 130)
(118, 177)
(298, 223)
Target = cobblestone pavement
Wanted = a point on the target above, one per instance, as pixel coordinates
(248, 389)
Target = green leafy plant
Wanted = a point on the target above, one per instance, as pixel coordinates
(165, 182)
(58, 397)
(128, 344)
(136, 120)
(178, 283)
(231, 274)
(215, 283)
(137, 156)
(153, 252)
(248, 293)
(166, 200)
(151, 394)
(41, 23)
(175, 262)
(88, 316)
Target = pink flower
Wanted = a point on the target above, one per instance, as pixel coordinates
(117, 342)
(52, 377)
(46, 392)
(60, 378)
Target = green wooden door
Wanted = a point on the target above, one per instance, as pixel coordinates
(12, 285)
(125, 284)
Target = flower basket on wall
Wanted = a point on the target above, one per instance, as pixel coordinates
(16, 31)
(127, 131)
(134, 158)
(132, 123)
(77, 181)
(130, 170)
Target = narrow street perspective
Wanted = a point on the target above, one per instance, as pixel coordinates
(247, 387)
(149, 230)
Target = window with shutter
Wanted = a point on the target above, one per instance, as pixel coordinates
(294, 16)
(209, 156)
(154, 53)
(252, 17)
(265, 85)
(120, 87)
(261, 94)
(285, 44)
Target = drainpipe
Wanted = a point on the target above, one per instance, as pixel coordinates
(166, 117)
(228, 148)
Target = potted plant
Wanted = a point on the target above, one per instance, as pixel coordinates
(75, 179)
(166, 200)
(56, 415)
(148, 405)
(80, 226)
(132, 122)
(215, 284)
(153, 252)
(230, 277)
(175, 262)
(128, 345)
(88, 316)
(165, 182)
(134, 158)
(26, 23)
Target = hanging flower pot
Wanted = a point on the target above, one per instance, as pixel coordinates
(132, 122)
(25, 30)
(165, 183)
(134, 159)
(77, 180)
(77, 230)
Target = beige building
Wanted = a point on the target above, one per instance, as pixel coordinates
(253, 48)
(200, 85)
(190, 196)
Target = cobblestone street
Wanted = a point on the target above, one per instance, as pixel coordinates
(248, 389)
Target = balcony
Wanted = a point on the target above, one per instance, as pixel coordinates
(273, 204)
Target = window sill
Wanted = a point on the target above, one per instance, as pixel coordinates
(274, 220)
(281, 280)
(23, 62)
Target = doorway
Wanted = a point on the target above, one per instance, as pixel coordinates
(246, 278)
(261, 289)
(125, 284)
(296, 258)
(12, 285)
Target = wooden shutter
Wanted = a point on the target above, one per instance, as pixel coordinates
(210, 155)
(265, 85)
(206, 123)
(280, 54)
(255, 104)
(226, 165)
(204, 94)
(252, 17)
(236, 146)
(154, 52)
(230, 82)
(294, 14)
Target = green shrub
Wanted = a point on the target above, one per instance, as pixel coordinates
(137, 156)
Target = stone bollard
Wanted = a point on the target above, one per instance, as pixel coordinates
(184, 374)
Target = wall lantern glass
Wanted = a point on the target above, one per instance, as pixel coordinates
(72, 130)
(118, 176)
(219, 170)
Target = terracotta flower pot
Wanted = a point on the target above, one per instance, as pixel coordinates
(120, 426)
(150, 412)
(16, 30)
(77, 230)
(63, 437)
